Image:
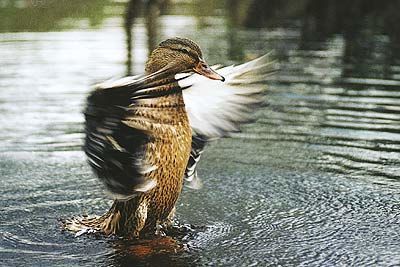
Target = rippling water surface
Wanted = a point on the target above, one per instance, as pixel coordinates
(315, 181)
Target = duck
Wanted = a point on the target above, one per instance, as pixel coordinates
(145, 134)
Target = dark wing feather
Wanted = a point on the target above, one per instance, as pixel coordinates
(198, 144)
(116, 150)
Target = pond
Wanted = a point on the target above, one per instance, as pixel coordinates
(314, 181)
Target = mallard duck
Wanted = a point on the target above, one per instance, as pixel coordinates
(145, 134)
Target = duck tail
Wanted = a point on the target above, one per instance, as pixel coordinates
(106, 224)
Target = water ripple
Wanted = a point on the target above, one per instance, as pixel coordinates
(314, 182)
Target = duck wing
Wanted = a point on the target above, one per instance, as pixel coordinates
(217, 109)
(116, 132)
(198, 144)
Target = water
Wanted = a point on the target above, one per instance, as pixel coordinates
(315, 181)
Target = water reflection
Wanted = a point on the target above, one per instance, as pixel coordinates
(366, 27)
(163, 251)
(47, 15)
(132, 11)
(234, 21)
(315, 181)
(152, 10)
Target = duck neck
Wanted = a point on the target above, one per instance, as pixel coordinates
(167, 92)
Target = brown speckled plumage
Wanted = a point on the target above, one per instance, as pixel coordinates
(169, 152)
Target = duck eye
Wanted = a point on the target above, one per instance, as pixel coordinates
(184, 49)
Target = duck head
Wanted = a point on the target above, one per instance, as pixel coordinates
(177, 55)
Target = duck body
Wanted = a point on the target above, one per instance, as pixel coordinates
(168, 153)
(164, 122)
(142, 140)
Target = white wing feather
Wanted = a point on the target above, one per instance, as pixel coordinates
(216, 108)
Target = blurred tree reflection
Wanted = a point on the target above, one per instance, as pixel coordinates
(133, 8)
(234, 21)
(152, 10)
(366, 26)
(47, 15)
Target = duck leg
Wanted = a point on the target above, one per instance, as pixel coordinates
(170, 219)
(125, 218)
(140, 219)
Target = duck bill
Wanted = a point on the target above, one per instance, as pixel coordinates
(202, 68)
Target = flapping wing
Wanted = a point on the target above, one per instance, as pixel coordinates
(198, 144)
(115, 140)
(217, 109)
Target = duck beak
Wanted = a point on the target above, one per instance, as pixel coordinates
(202, 68)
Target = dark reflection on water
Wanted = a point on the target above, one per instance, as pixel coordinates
(314, 181)
(48, 15)
(152, 10)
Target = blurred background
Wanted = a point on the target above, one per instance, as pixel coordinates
(315, 181)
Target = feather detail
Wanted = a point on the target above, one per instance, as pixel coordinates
(217, 109)
(118, 130)
(191, 177)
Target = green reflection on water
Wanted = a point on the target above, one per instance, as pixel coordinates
(49, 15)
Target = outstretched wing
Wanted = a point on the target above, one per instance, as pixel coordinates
(217, 109)
(198, 144)
(115, 139)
